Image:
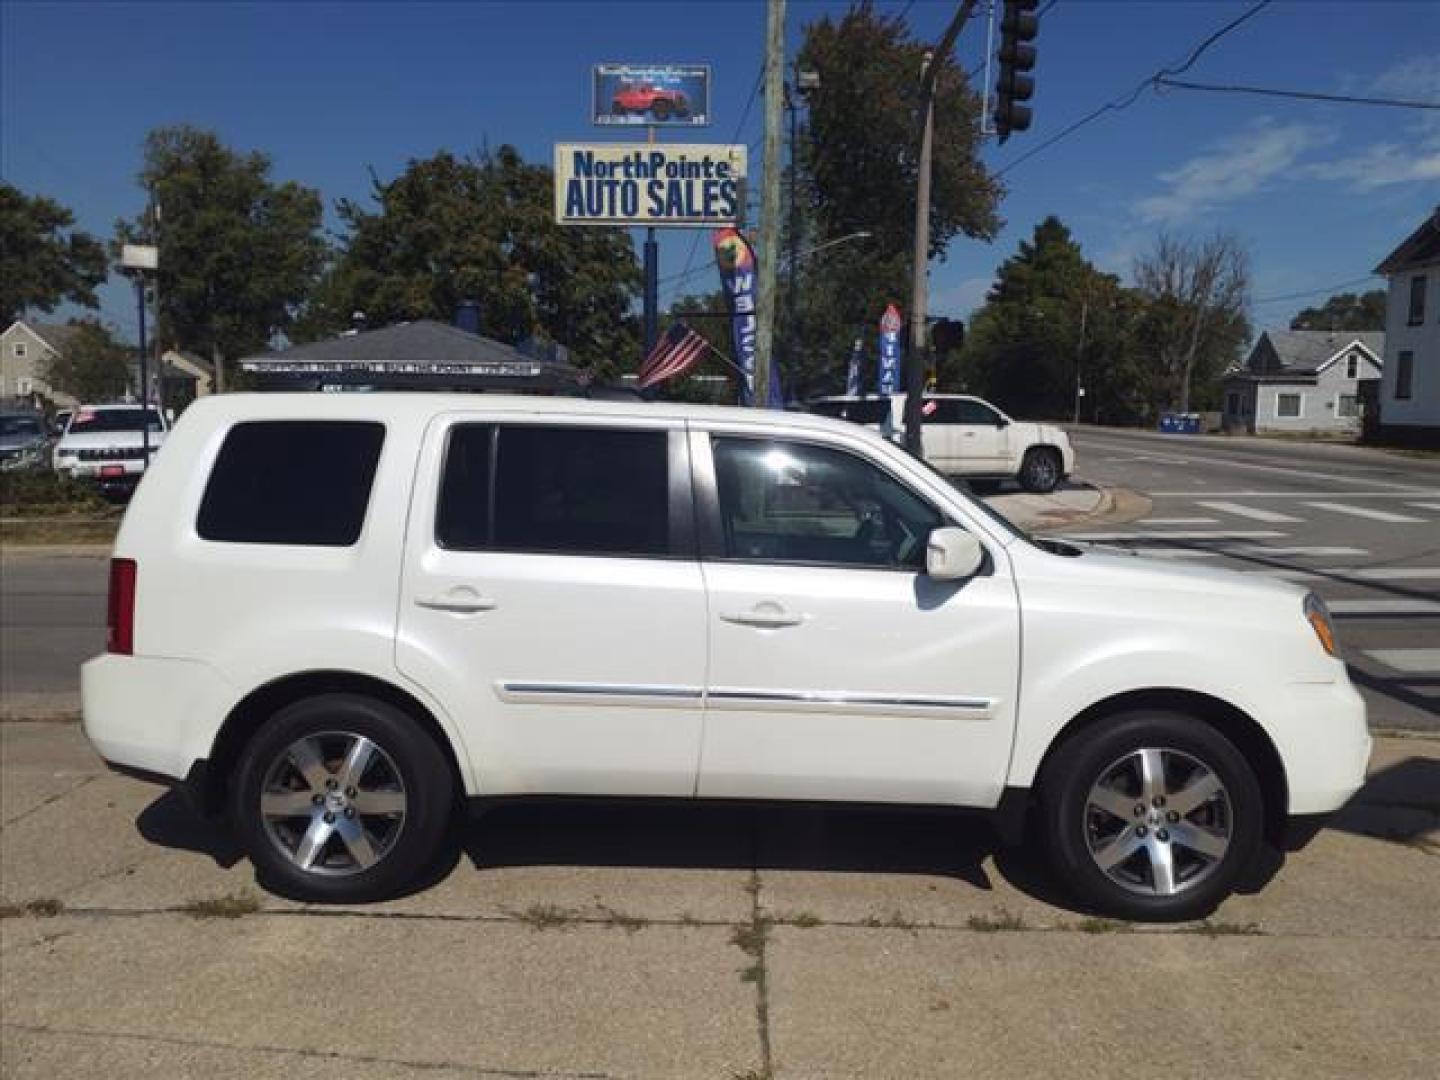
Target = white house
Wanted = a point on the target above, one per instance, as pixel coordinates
(1410, 389)
(1303, 381)
(26, 349)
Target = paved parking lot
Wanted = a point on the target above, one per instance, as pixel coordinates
(631, 941)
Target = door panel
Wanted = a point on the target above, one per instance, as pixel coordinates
(567, 671)
(858, 680)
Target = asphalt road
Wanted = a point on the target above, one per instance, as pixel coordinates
(1360, 527)
(52, 617)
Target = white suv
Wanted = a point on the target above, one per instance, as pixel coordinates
(966, 436)
(337, 616)
(106, 443)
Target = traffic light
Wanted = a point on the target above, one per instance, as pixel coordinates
(1018, 26)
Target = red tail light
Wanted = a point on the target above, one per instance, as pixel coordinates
(120, 616)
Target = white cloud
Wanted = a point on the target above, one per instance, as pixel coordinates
(1237, 166)
(1383, 164)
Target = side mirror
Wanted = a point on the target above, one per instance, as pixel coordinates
(952, 554)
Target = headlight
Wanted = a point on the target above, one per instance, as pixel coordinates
(1318, 616)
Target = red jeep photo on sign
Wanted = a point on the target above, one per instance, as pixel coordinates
(668, 95)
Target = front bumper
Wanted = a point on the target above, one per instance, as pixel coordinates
(1324, 743)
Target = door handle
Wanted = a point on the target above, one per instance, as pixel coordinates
(461, 601)
(765, 616)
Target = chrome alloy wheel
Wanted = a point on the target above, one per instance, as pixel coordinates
(333, 803)
(1158, 821)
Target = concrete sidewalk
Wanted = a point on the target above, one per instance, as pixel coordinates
(705, 941)
(1070, 506)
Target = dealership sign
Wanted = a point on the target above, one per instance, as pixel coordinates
(661, 95)
(649, 184)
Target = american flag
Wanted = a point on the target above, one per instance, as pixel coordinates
(674, 354)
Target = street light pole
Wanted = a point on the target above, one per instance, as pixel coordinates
(770, 201)
(1079, 354)
(136, 260)
(919, 295)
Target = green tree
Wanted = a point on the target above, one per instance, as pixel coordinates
(696, 310)
(93, 366)
(1051, 317)
(450, 229)
(1197, 292)
(858, 164)
(239, 252)
(44, 260)
(1345, 311)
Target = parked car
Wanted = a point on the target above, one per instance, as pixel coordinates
(23, 441)
(105, 443)
(967, 436)
(658, 101)
(334, 616)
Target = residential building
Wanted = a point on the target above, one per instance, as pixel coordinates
(424, 354)
(26, 350)
(1303, 381)
(1410, 389)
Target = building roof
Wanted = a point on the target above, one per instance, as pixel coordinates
(1305, 352)
(55, 335)
(424, 352)
(1420, 248)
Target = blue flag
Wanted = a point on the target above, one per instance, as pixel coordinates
(735, 259)
(852, 377)
(889, 381)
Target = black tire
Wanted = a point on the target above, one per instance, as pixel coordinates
(1040, 470)
(409, 771)
(1074, 827)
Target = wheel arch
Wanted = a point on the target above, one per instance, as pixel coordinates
(1254, 744)
(247, 716)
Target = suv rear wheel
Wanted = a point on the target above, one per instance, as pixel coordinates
(341, 798)
(1153, 816)
(1040, 470)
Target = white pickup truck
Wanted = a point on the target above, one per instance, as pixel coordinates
(965, 436)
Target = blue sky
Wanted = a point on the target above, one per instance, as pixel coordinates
(1319, 192)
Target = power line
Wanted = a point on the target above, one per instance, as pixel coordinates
(1128, 99)
(1316, 292)
(695, 240)
(1304, 95)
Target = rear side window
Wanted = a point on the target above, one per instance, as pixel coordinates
(292, 482)
(555, 490)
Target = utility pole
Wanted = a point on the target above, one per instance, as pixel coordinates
(651, 303)
(770, 200)
(920, 270)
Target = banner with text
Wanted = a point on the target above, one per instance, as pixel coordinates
(680, 184)
(735, 259)
(890, 350)
(652, 95)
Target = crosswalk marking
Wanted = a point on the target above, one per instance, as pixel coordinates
(1181, 521)
(1383, 607)
(1410, 661)
(1240, 510)
(1367, 512)
(1308, 552)
(1286, 572)
(1398, 573)
(1193, 534)
(1413, 493)
(1425, 506)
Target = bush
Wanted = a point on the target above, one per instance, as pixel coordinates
(43, 493)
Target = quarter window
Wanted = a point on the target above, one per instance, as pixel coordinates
(555, 490)
(797, 503)
(301, 482)
(1287, 405)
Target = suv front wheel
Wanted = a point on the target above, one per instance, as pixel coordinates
(1040, 470)
(341, 798)
(1153, 816)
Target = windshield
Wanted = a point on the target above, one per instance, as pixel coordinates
(19, 426)
(980, 504)
(89, 421)
(871, 411)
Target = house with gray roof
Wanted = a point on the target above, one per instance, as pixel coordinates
(1409, 397)
(26, 350)
(1304, 381)
(424, 354)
